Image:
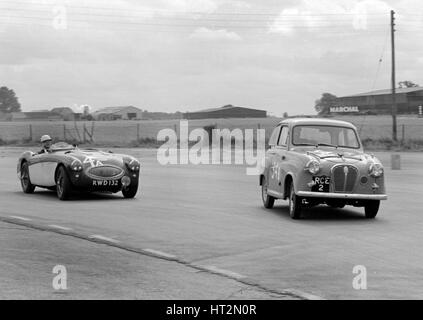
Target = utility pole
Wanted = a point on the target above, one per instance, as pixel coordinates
(394, 104)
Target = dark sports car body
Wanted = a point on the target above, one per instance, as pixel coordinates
(67, 168)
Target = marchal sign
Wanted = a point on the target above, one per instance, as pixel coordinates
(344, 109)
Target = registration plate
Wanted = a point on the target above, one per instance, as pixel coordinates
(321, 184)
(105, 183)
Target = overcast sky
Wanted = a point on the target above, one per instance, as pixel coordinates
(183, 55)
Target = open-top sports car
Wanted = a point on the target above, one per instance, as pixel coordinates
(315, 161)
(66, 168)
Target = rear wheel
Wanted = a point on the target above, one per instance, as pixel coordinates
(26, 184)
(371, 208)
(268, 201)
(130, 191)
(294, 204)
(63, 184)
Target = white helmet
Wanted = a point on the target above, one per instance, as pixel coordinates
(45, 138)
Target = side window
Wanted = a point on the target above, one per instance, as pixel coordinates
(274, 137)
(283, 137)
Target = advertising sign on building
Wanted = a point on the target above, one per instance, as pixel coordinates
(344, 109)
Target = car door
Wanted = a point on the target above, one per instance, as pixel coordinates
(271, 161)
(41, 170)
(279, 159)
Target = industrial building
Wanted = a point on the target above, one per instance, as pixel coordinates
(228, 111)
(408, 101)
(35, 116)
(118, 113)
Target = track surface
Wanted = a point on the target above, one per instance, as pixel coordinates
(212, 216)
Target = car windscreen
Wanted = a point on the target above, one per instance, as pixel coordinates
(325, 135)
(61, 146)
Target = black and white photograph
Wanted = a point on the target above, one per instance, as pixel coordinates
(211, 150)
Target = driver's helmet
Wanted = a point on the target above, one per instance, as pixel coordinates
(45, 138)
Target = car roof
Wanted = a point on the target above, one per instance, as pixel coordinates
(317, 121)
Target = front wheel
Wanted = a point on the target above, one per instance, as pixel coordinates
(63, 184)
(26, 184)
(130, 191)
(294, 204)
(268, 201)
(371, 208)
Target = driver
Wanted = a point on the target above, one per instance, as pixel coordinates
(46, 141)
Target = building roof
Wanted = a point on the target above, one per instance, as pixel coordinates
(62, 110)
(226, 107)
(110, 110)
(385, 91)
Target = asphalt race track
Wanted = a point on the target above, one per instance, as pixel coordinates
(210, 217)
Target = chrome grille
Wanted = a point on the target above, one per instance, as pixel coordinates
(105, 172)
(344, 178)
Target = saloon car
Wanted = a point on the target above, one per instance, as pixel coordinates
(312, 161)
(66, 168)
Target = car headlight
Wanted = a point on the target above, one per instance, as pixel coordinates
(133, 165)
(376, 170)
(313, 166)
(76, 165)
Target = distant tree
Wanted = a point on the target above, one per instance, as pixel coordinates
(407, 84)
(9, 101)
(285, 114)
(323, 104)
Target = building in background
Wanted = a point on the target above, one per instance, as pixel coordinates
(35, 116)
(228, 111)
(118, 113)
(408, 101)
(66, 113)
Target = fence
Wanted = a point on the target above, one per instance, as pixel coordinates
(126, 132)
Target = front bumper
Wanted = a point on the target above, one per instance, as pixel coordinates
(81, 181)
(332, 195)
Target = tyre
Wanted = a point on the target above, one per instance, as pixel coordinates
(294, 204)
(130, 191)
(268, 201)
(26, 184)
(371, 208)
(63, 184)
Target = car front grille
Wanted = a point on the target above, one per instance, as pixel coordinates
(105, 172)
(344, 178)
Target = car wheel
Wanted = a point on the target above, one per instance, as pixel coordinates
(63, 184)
(294, 204)
(371, 208)
(26, 184)
(130, 191)
(268, 201)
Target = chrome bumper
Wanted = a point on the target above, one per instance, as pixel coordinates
(332, 195)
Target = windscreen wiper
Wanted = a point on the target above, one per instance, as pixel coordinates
(326, 145)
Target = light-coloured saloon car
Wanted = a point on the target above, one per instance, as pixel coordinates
(315, 161)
